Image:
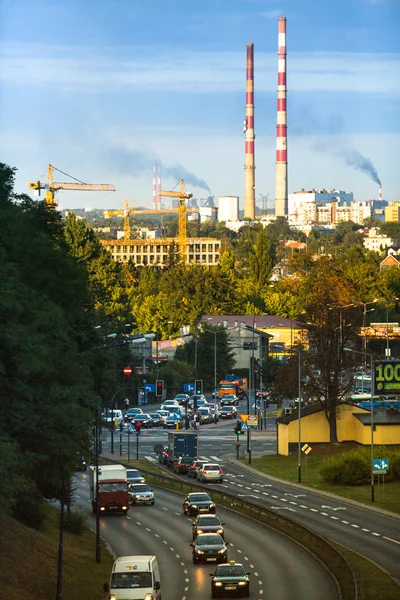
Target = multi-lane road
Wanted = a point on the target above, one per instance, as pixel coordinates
(279, 568)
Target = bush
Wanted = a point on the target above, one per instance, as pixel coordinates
(348, 468)
(30, 509)
(395, 464)
(75, 522)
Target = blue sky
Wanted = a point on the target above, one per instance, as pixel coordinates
(99, 88)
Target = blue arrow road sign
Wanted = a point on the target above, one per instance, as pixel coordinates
(149, 387)
(381, 464)
(188, 387)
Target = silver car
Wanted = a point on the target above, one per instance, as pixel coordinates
(210, 472)
(140, 493)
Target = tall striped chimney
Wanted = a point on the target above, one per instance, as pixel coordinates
(159, 184)
(248, 129)
(155, 199)
(281, 189)
(380, 192)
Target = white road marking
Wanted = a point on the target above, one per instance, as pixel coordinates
(303, 506)
(164, 508)
(217, 459)
(356, 526)
(283, 508)
(390, 539)
(376, 534)
(325, 514)
(345, 522)
(157, 535)
(313, 510)
(333, 507)
(334, 518)
(147, 529)
(249, 496)
(366, 530)
(295, 495)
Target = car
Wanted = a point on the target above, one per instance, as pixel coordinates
(144, 420)
(210, 472)
(81, 464)
(182, 398)
(140, 493)
(163, 414)
(230, 578)
(134, 476)
(199, 399)
(264, 395)
(163, 456)
(209, 547)
(205, 415)
(110, 416)
(228, 412)
(229, 400)
(170, 405)
(198, 502)
(182, 464)
(156, 419)
(131, 413)
(207, 524)
(192, 470)
(171, 420)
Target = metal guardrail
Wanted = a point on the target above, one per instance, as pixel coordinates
(333, 560)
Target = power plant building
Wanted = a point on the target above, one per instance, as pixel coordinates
(228, 208)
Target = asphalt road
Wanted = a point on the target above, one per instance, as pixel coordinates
(278, 565)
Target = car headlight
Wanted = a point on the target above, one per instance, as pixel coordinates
(220, 531)
(200, 531)
(242, 582)
(137, 497)
(199, 551)
(212, 505)
(194, 506)
(217, 583)
(222, 551)
(149, 597)
(112, 597)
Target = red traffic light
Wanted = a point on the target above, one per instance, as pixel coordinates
(128, 370)
(138, 426)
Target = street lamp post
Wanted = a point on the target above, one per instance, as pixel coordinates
(387, 331)
(365, 304)
(372, 418)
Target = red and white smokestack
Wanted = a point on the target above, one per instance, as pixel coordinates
(159, 184)
(281, 189)
(155, 199)
(380, 192)
(249, 166)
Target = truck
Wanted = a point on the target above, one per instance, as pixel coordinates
(236, 385)
(181, 443)
(113, 489)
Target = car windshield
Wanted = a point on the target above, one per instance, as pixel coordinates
(229, 571)
(186, 459)
(208, 521)
(200, 498)
(113, 487)
(139, 488)
(131, 580)
(212, 539)
(226, 408)
(131, 474)
(142, 418)
(154, 415)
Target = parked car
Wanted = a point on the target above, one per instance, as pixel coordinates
(207, 524)
(144, 420)
(171, 420)
(182, 464)
(229, 400)
(210, 472)
(131, 413)
(196, 464)
(198, 502)
(230, 578)
(140, 493)
(156, 419)
(182, 398)
(134, 476)
(209, 547)
(228, 412)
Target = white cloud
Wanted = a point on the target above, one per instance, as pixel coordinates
(199, 72)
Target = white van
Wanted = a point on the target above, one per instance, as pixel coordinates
(134, 578)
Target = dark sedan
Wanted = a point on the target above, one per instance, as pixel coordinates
(196, 464)
(182, 464)
(207, 524)
(209, 547)
(198, 502)
(230, 578)
(156, 419)
(144, 420)
(131, 413)
(228, 412)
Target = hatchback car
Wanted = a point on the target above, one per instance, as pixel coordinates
(140, 493)
(230, 578)
(182, 464)
(198, 502)
(196, 464)
(205, 415)
(229, 400)
(156, 419)
(144, 420)
(171, 420)
(209, 547)
(131, 413)
(228, 412)
(134, 476)
(207, 524)
(210, 472)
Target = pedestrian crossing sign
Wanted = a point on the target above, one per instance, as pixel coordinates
(245, 427)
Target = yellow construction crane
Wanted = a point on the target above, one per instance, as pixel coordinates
(183, 196)
(53, 186)
(122, 213)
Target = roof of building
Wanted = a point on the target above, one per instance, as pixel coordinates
(388, 417)
(257, 321)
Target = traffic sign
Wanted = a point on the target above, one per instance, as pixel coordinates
(386, 377)
(130, 429)
(381, 465)
(244, 418)
(252, 421)
(149, 387)
(158, 448)
(245, 427)
(188, 387)
(127, 370)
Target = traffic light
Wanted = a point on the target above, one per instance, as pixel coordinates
(159, 387)
(238, 428)
(198, 386)
(137, 427)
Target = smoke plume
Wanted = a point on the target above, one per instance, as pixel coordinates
(353, 158)
(134, 162)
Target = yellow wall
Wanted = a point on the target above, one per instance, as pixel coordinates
(315, 429)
